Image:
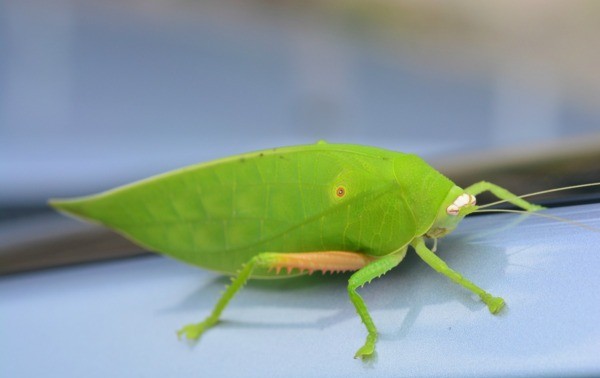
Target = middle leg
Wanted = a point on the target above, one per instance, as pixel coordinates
(375, 269)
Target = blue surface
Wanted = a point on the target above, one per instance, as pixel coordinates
(119, 318)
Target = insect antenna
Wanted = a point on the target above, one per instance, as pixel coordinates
(548, 216)
(542, 192)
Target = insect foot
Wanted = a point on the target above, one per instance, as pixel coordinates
(367, 350)
(194, 331)
(494, 304)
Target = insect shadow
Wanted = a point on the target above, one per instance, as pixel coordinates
(411, 286)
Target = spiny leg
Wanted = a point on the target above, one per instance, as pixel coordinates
(501, 193)
(329, 261)
(373, 270)
(494, 304)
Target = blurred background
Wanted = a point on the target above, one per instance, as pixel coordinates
(95, 94)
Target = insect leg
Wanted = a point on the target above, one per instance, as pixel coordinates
(326, 261)
(194, 331)
(494, 304)
(375, 269)
(501, 193)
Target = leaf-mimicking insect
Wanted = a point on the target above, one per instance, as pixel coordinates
(322, 207)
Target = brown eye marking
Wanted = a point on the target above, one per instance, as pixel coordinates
(340, 191)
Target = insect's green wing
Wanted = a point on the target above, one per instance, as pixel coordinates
(219, 214)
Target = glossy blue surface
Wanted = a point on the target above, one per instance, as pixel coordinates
(119, 318)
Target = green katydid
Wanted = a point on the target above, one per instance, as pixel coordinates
(322, 207)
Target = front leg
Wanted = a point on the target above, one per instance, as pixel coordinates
(494, 304)
(501, 193)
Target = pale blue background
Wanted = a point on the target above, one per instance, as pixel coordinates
(95, 94)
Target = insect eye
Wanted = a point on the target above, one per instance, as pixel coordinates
(340, 191)
(452, 210)
(460, 202)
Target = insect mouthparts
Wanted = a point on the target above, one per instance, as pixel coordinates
(437, 232)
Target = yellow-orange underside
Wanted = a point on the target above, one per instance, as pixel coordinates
(327, 262)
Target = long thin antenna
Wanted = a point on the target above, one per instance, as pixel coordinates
(553, 217)
(542, 192)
